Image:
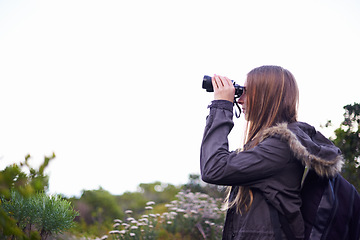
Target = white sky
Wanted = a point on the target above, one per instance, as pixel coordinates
(114, 87)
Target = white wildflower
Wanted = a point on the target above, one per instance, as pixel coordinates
(173, 213)
(125, 225)
(132, 234)
(134, 227)
(144, 220)
(115, 232)
(128, 211)
(150, 203)
(148, 208)
(203, 195)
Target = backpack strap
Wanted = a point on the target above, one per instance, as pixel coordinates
(325, 211)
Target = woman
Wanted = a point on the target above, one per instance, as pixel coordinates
(267, 173)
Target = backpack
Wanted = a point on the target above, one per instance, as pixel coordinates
(330, 209)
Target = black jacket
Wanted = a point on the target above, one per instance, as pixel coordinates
(273, 170)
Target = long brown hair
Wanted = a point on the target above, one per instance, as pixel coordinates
(272, 97)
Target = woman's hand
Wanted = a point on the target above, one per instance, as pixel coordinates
(223, 88)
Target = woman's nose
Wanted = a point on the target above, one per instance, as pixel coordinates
(241, 99)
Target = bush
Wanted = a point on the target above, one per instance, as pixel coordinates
(12, 178)
(191, 216)
(26, 212)
(195, 215)
(41, 213)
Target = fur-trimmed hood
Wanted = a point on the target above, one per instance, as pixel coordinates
(309, 146)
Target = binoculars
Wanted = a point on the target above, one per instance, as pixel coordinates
(207, 85)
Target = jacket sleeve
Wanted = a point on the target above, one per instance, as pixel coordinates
(220, 166)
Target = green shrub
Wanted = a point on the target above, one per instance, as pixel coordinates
(26, 212)
(12, 178)
(39, 213)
